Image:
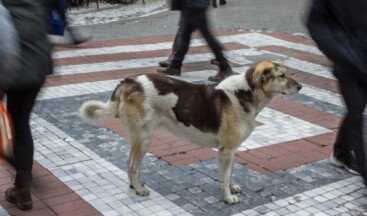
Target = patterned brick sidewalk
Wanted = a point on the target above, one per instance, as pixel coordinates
(80, 169)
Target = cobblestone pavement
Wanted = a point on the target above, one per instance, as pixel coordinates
(80, 169)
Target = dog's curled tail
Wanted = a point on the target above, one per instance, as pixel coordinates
(97, 111)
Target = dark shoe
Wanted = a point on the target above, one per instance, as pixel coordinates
(222, 2)
(214, 62)
(169, 71)
(352, 168)
(221, 75)
(21, 197)
(75, 36)
(79, 40)
(165, 63)
(214, 4)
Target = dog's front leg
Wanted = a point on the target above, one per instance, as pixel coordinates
(225, 171)
(235, 188)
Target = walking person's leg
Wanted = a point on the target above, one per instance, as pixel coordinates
(183, 45)
(60, 6)
(167, 62)
(350, 135)
(20, 104)
(224, 68)
(355, 98)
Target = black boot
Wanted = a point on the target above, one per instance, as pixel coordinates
(173, 71)
(221, 75)
(20, 194)
(77, 38)
(222, 2)
(21, 197)
(167, 62)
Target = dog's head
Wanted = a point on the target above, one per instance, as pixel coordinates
(272, 79)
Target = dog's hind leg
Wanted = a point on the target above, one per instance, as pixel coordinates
(140, 139)
(225, 171)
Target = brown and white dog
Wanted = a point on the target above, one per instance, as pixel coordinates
(217, 116)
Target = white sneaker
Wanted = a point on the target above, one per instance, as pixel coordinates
(334, 161)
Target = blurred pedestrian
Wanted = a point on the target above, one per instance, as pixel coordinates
(194, 16)
(76, 38)
(168, 61)
(30, 19)
(339, 28)
(221, 2)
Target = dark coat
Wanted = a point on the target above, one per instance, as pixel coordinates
(339, 28)
(196, 4)
(30, 18)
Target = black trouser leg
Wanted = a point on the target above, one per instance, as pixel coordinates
(202, 24)
(342, 151)
(20, 104)
(350, 135)
(184, 38)
(214, 3)
(177, 38)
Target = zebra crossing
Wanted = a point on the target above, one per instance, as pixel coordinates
(282, 167)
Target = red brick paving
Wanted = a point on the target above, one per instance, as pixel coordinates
(137, 55)
(290, 38)
(123, 73)
(50, 195)
(139, 41)
(297, 54)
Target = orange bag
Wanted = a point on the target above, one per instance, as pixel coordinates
(6, 133)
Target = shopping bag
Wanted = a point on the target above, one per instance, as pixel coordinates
(6, 134)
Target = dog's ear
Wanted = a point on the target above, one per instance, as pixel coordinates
(259, 74)
(251, 78)
(266, 74)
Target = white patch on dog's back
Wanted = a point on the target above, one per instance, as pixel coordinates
(152, 94)
(159, 109)
(230, 86)
(233, 83)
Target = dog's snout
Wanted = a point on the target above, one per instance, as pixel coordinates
(299, 86)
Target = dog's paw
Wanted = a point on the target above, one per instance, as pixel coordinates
(142, 191)
(235, 189)
(232, 199)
